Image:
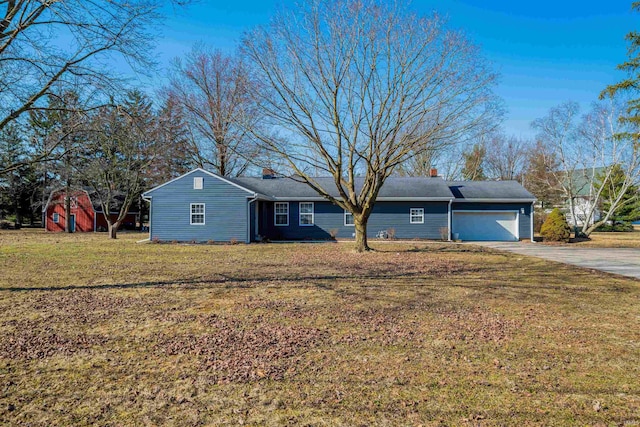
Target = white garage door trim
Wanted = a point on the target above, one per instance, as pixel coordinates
(516, 226)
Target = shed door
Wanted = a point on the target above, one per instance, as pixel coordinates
(496, 226)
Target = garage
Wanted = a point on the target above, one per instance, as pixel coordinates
(485, 225)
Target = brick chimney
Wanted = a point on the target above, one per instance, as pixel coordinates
(433, 172)
(268, 173)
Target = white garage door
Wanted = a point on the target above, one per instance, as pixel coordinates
(497, 226)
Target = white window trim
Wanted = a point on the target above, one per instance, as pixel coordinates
(56, 218)
(198, 183)
(275, 214)
(313, 214)
(346, 212)
(411, 221)
(191, 214)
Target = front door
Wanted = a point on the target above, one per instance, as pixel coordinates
(72, 223)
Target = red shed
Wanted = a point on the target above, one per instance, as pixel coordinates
(85, 215)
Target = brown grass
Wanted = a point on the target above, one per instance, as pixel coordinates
(94, 331)
(611, 240)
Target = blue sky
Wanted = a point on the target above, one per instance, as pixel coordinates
(547, 52)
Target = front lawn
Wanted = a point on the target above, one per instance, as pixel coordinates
(630, 239)
(103, 332)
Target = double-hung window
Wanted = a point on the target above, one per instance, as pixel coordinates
(348, 219)
(197, 214)
(281, 213)
(306, 213)
(416, 216)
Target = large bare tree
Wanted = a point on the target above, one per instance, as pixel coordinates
(123, 145)
(506, 156)
(353, 88)
(213, 91)
(44, 44)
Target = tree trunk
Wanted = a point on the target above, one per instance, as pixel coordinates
(67, 211)
(360, 223)
(113, 229)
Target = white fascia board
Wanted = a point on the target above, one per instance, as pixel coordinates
(414, 199)
(379, 199)
(494, 200)
(260, 196)
(211, 174)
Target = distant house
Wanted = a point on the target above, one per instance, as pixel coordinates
(203, 206)
(584, 201)
(86, 215)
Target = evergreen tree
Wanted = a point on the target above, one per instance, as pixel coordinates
(60, 130)
(629, 86)
(172, 157)
(555, 227)
(18, 185)
(628, 209)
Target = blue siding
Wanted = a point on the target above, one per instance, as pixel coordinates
(329, 218)
(225, 210)
(525, 218)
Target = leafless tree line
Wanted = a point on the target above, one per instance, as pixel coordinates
(357, 90)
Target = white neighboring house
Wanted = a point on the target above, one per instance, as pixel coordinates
(582, 206)
(585, 200)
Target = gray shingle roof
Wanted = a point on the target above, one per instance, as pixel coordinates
(498, 190)
(393, 188)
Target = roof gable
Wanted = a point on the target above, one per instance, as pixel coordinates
(198, 170)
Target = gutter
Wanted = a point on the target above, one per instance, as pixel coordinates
(449, 214)
(485, 200)
(148, 199)
(532, 210)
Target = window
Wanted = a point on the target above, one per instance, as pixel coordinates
(281, 212)
(73, 202)
(56, 218)
(197, 214)
(348, 219)
(198, 183)
(306, 213)
(416, 216)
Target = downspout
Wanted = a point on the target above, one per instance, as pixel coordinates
(531, 216)
(148, 199)
(255, 197)
(449, 214)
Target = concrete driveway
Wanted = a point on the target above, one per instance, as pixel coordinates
(625, 262)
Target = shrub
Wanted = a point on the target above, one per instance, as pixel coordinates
(333, 233)
(621, 226)
(391, 233)
(555, 227)
(233, 241)
(444, 233)
(5, 225)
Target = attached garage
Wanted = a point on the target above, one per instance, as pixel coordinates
(486, 225)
